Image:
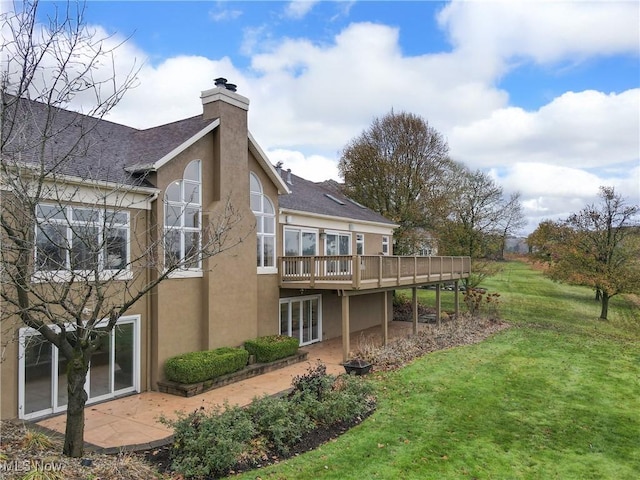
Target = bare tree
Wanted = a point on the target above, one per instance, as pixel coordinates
(396, 167)
(512, 220)
(78, 248)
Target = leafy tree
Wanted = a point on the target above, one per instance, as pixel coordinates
(45, 68)
(399, 167)
(601, 248)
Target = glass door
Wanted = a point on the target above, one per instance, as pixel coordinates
(301, 318)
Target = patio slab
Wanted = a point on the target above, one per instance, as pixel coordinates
(131, 423)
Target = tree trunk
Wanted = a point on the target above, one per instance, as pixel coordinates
(598, 294)
(77, 398)
(605, 305)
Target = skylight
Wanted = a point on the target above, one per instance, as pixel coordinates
(339, 202)
(356, 203)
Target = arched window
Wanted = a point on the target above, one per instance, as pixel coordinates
(182, 219)
(265, 214)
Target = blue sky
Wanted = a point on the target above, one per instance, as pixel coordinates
(544, 95)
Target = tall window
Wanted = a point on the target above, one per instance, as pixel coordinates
(385, 245)
(265, 224)
(359, 243)
(81, 239)
(182, 219)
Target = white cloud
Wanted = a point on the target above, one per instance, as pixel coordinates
(584, 129)
(314, 167)
(297, 9)
(545, 31)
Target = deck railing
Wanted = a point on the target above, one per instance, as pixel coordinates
(356, 272)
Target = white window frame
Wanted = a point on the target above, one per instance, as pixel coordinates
(385, 245)
(263, 216)
(359, 243)
(181, 229)
(55, 355)
(302, 298)
(68, 223)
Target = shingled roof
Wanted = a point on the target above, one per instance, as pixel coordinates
(324, 199)
(92, 148)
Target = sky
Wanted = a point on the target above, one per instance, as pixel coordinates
(544, 96)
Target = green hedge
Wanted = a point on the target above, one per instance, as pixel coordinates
(271, 348)
(196, 367)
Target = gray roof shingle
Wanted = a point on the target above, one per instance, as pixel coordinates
(319, 198)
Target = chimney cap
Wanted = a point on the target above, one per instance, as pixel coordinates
(220, 82)
(231, 87)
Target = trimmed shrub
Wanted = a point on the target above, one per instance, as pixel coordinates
(272, 347)
(196, 367)
(279, 421)
(207, 444)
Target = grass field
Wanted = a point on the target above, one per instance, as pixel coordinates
(555, 397)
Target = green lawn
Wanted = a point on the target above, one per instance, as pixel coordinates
(555, 397)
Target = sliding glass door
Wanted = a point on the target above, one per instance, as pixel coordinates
(43, 380)
(301, 318)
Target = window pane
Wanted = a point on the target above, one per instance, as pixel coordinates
(116, 218)
(309, 243)
(100, 376)
(84, 248)
(291, 242)
(191, 247)
(37, 374)
(174, 192)
(254, 184)
(256, 203)
(63, 386)
(123, 368)
(269, 225)
(269, 251)
(51, 244)
(315, 316)
(172, 216)
(192, 217)
(172, 247)
(85, 215)
(49, 212)
(268, 206)
(116, 249)
(345, 247)
(192, 172)
(191, 193)
(259, 251)
(284, 318)
(295, 319)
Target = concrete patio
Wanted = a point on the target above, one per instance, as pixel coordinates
(131, 422)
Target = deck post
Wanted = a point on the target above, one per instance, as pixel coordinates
(346, 347)
(385, 319)
(414, 309)
(438, 313)
(456, 297)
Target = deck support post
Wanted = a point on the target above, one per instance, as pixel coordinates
(438, 312)
(414, 309)
(346, 347)
(456, 297)
(385, 319)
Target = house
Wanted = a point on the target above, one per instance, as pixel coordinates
(304, 260)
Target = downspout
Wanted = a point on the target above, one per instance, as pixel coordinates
(148, 298)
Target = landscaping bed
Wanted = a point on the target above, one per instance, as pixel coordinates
(191, 389)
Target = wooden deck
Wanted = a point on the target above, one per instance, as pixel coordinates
(367, 272)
